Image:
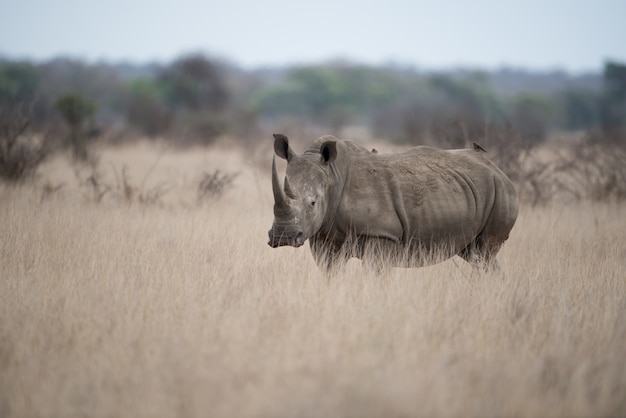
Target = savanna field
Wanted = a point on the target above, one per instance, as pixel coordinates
(128, 289)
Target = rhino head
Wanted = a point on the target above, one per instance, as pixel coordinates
(301, 203)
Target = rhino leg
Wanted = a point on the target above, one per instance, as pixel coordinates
(328, 257)
(379, 255)
(377, 265)
(482, 253)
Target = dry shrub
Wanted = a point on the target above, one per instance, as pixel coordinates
(598, 168)
(588, 168)
(21, 151)
(128, 192)
(578, 171)
(94, 186)
(213, 185)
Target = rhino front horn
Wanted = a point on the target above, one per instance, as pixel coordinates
(279, 198)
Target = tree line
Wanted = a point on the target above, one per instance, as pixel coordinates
(195, 98)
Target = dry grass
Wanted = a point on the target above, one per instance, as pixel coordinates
(181, 309)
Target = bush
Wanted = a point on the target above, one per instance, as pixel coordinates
(146, 110)
(20, 151)
(591, 168)
(213, 185)
(77, 112)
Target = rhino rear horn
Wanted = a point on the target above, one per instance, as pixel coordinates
(288, 190)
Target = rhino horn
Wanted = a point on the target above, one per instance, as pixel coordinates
(280, 202)
(288, 190)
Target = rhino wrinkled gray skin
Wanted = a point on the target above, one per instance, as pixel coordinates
(408, 209)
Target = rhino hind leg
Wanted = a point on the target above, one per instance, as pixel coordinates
(482, 253)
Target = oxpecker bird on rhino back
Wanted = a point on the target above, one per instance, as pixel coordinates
(407, 209)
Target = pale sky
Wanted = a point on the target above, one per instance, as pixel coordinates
(534, 34)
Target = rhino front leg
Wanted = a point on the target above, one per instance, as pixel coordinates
(328, 257)
(378, 255)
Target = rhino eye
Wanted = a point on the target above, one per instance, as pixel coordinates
(312, 202)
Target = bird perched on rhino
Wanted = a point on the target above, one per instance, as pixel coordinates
(477, 147)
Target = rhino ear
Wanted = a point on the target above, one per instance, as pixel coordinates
(282, 148)
(329, 151)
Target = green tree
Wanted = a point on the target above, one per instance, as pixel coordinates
(77, 112)
(195, 83)
(532, 115)
(614, 100)
(146, 109)
(581, 109)
(331, 94)
(450, 110)
(307, 91)
(195, 92)
(19, 81)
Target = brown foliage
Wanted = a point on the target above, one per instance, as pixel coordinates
(213, 185)
(588, 168)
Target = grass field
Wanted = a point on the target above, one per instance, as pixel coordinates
(171, 306)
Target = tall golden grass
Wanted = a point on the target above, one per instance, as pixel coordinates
(179, 308)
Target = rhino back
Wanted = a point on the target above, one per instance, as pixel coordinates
(424, 194)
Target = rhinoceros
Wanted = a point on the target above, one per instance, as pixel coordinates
(406, 209)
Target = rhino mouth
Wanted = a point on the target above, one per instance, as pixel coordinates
(276, 241)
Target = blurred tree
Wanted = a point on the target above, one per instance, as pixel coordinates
(307, 91)
(145, 108)
(195, 90)
(198, 97)
(446, 110)
(331, 95)
(242, 115)
(531, 115)
(20, 151)
(581, 109)
(19, 81)
(614, 100)
(100, 82)
(77, 112)
(195, 83)
(463, 107)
